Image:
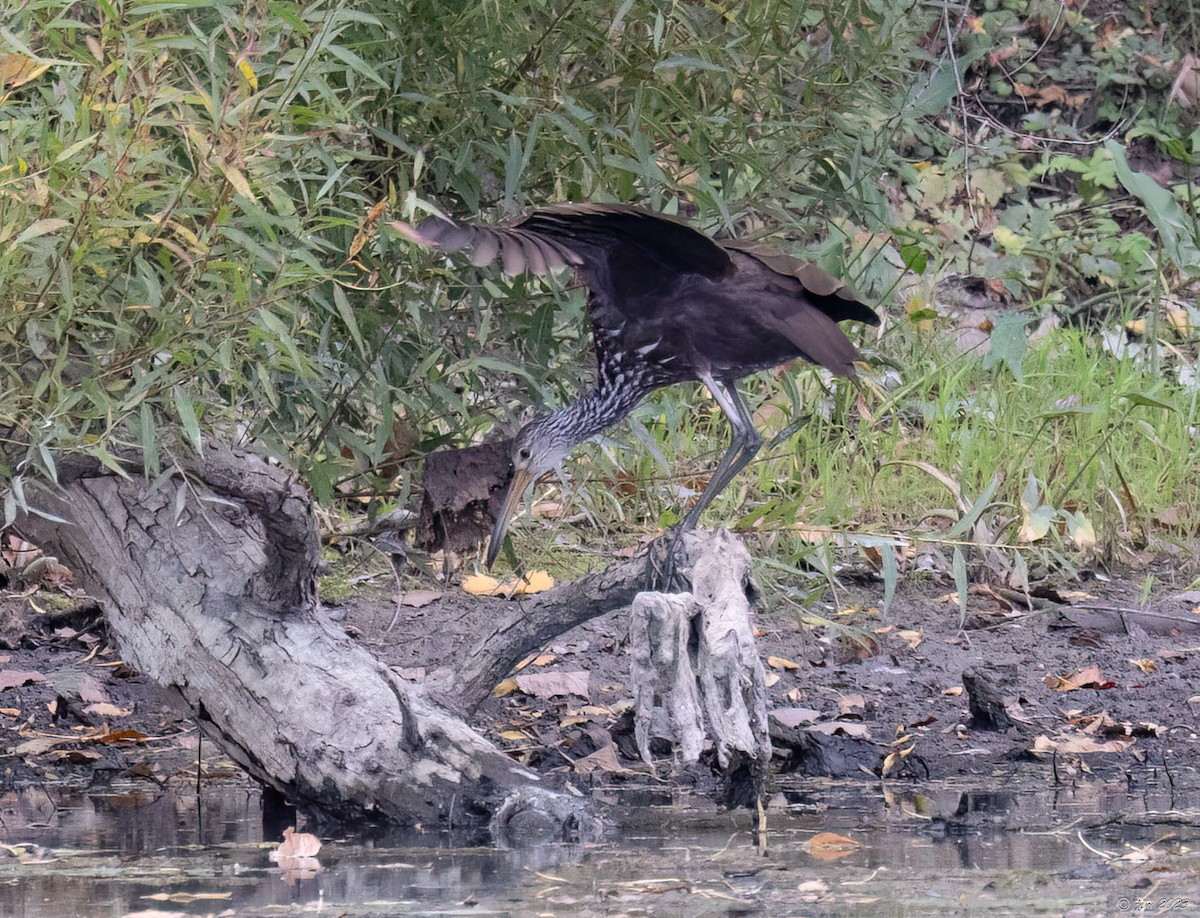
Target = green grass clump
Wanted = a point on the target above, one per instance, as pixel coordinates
(1108, 444)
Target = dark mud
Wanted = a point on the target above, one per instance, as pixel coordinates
(1094, 678)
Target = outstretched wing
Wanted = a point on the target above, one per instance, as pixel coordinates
(631, 259)
(519, 250)
(658, 285)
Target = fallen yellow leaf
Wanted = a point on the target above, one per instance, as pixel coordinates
(481, 585)
(484, 585)
(1180, 320)
(534, 582)
(507, 687)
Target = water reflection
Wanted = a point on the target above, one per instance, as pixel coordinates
(104, 852)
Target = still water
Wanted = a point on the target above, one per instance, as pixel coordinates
(1097, 848)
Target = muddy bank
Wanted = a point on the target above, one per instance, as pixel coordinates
(1097, 680)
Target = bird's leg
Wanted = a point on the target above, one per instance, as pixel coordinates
(742, 448)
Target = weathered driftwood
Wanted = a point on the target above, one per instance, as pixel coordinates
(207, 580)
(208, 585)
(696, 667)
(478, 645)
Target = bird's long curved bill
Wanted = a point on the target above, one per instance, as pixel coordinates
(520, 483)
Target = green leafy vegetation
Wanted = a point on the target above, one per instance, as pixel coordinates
(191, 196)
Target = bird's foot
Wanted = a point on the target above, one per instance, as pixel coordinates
(663, 566)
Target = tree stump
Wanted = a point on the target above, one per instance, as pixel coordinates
(697, 670)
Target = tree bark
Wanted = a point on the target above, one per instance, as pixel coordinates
(697, 671)
(486, 639)
(208, 582)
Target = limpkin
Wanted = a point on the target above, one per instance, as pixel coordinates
(667, 305)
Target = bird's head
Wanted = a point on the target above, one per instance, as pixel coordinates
(538, 448)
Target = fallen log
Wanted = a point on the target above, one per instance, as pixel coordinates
(208, 583)
(207, 578)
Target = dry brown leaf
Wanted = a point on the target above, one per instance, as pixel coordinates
(1051, 95)
(954, 691)
(116, 737)
(813, 887)
(15, 678)
(515, 736)
(1185, 91)
(817, 535)
(826, 846)
(1077, 744)
(549, 685)
(1170, 517)
(851, 704)
(416, 599)
(18, 69)
(782, 663)
(361, 238)
(1145, 664)
(1089, 677)
(75, 756)
(795, 717)
(912, 638)
(296, 844)
(43, 744)
(506, 687)
(105, 709)
(603, 759)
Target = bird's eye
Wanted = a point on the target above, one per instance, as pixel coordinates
(523, 453)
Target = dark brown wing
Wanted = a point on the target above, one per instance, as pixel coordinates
(832, 296)
(635, 241)
(660, 287)
(631, 259)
